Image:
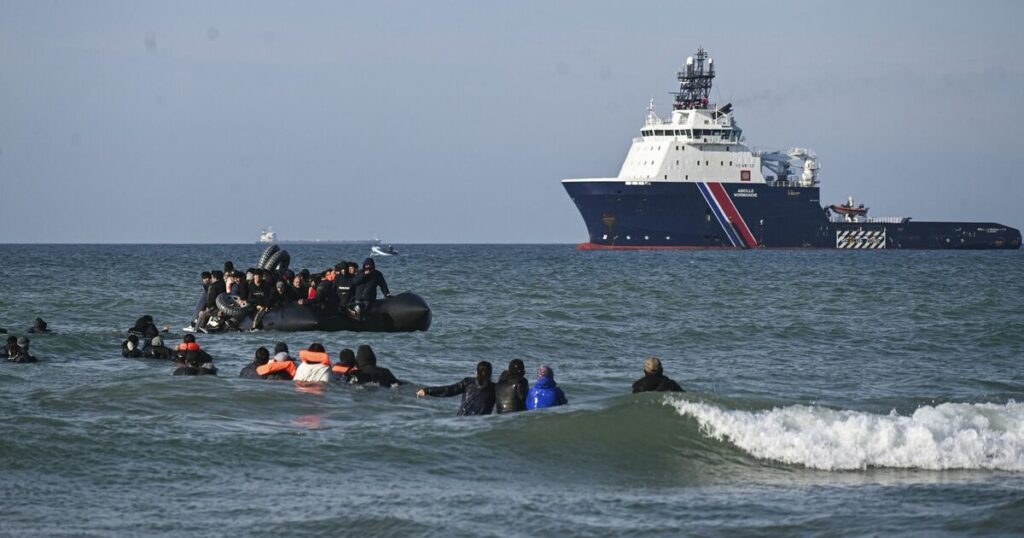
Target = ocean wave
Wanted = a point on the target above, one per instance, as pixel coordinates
(945, 436)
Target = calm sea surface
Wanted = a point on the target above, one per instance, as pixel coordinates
(829, 393)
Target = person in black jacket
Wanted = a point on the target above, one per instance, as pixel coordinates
(249, 372)
(20, 355)
(654, 380)
(366, 290)
(477, 392)
(369, 372)
(282, 295)
(192, 364)
(217, 287)
(39, 327)
(157, 350)
(145, 330)
(12, 342)
(510, 391)
(130, 348)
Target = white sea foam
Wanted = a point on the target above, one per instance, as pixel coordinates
(945, 436)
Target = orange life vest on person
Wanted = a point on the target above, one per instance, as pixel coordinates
(315, 357)
(274, 367)
(345, 370)
(191, 346)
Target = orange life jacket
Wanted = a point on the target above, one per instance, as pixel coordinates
(192, 346)
(277, 366)
(345, 370)
(315, 357)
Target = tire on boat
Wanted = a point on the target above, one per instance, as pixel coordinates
(278, 261)
(266, 256)
(229, 305)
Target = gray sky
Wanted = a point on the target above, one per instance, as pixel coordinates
(454, 121)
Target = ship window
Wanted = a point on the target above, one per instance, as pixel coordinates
(666, 176)
(721, 163)
(705, 163)
(687, 177)
(730, 163)
(677, 163)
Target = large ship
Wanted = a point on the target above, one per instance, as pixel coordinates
(690, 181)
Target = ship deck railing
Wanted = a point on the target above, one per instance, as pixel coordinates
(872, 220)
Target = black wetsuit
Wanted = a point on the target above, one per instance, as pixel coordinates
(131, 353)
(510, 393)
(656, 382)
(369, 372)
(192, 370)
(366, 291)
(249, 372)
(22, 357)
(476, 399)
(159, 352)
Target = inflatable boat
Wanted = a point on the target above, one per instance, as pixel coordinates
(404, 312)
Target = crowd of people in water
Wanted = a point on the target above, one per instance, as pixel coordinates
(16, 349)
(481, 395)
(343, 288)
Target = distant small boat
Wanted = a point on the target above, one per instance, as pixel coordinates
(383, 251)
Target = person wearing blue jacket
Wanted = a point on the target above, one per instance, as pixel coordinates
(545, 393)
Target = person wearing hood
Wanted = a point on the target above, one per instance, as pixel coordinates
(654, 380)
(12, 342)
(157, 350)
(39, 327)
(477, 392)
(512, 387)
(546, 393)
(281, 296)
(346, 283)
(369, 372)
(145, 330)
(130, 348)
(188, 346)
(20, 355)
(366, 290)
(191, 363)
(315, 365)
(346, 369)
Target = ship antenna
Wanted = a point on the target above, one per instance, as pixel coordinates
(695, 82)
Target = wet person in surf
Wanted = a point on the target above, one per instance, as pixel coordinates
(477, 392)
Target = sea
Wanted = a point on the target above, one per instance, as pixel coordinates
(828, 393)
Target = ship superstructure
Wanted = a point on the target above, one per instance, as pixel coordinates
(690, 181)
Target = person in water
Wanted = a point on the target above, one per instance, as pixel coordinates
(654, 380)
(39, 327)
(191, 363)
(315, 366)
(249, 371)
(477, 392)
(130, 348)
(188, 346)
(366, 291)
(145, 329)
(20, 355)
(23, 345)
(12, 341)
(546, 393)
(369, 372)
(345, 370)
(157, 350)
(512, 387)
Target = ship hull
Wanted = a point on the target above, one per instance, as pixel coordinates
(640, 215)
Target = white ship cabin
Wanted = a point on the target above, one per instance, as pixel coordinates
(702, 143)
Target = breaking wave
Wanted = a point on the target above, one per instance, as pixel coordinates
(945, 436)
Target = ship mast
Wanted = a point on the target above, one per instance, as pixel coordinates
(695, 82)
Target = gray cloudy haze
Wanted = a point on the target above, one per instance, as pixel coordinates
(454, 121)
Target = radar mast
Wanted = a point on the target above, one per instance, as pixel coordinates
(695, 82)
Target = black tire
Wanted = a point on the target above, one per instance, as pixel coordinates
(266, 256)
(228, 305)
(278, 261)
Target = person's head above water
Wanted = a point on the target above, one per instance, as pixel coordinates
(652, 365)
(516, 366)
(483, 372)
(317, 347)
(262, 356)
(189, 339)
(279, 347)
(347, 357)
(23, 342)
(545, 371)
(365, 357)
(39, 324)
(12, 340)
